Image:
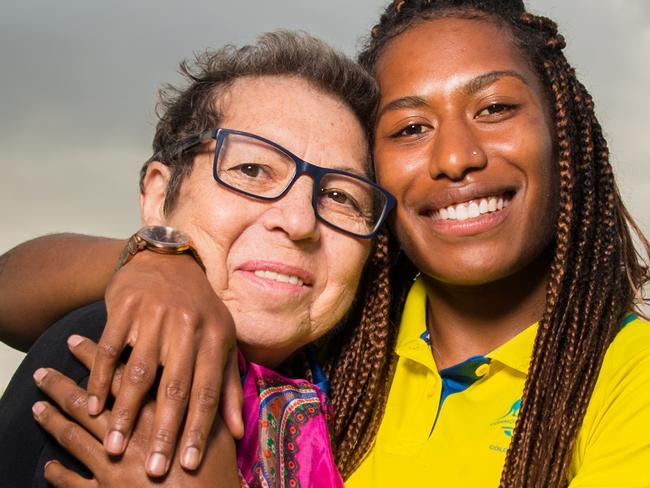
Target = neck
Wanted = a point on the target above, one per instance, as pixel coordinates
(466, 321)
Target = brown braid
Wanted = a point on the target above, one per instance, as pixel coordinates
(596, 274)
(359, 361)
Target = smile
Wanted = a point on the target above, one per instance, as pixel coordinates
(280, 277)
(472, 209)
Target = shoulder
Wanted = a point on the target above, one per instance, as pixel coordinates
(621, 386)
(612, 444)
(87, 321)
(630, 347)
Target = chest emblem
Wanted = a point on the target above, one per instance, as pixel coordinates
(507, 421)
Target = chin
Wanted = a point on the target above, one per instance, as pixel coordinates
(473, 270)
(268, 345)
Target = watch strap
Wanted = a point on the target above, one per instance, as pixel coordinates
(137, 243)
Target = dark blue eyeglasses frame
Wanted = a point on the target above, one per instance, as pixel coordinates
(302, 167)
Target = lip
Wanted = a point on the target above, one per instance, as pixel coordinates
(453, 195)
(469, 227)
(249, 268)
(462, 194)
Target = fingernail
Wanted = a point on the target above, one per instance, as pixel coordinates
(157, 464)
(39, 374)
(38, 408)
(115, 442)
(191, 458)
(74, 340)
(93, 405)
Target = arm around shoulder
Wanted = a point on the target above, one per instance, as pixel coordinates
(43, 279)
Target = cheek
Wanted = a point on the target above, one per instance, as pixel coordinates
(389, 168)
(399, 170)
(345, 264)
(208, 219)
(544, 177)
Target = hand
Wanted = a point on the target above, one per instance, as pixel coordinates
(219, 468)
(165, 308)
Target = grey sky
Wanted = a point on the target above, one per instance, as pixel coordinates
(78, 81)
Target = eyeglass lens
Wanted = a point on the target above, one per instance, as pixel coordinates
(260, 169)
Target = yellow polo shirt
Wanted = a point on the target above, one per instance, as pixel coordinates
(452, 428)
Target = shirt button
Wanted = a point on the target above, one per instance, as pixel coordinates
(482, 370)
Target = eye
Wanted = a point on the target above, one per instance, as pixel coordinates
(410, 130)
(337, 196)
(251, 170)
(341, 200)
(496, 109)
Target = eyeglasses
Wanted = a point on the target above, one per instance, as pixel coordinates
(260, 168)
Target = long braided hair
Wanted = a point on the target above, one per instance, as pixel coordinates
(358, 360)
(596, 273)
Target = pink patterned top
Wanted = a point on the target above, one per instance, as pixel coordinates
(286, 441)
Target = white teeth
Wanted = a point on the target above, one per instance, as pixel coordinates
(471, 210)
(282, 278)
(484, 206)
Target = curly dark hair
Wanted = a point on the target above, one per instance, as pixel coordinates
(186, 111)
(596, 273)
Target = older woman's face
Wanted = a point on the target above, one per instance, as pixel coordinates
(255, 251)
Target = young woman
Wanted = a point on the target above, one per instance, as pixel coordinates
(517, 360)
(531, 367)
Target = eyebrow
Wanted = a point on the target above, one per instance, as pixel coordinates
(404, 102)
(471, 87)
(477, 84)
(352, 170)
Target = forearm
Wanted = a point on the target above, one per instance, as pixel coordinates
(43, 279)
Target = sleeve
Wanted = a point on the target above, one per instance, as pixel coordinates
(24, 446)
(613, 445)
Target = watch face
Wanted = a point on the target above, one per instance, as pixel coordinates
(168, 237)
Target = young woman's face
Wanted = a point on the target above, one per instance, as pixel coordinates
(464, 141)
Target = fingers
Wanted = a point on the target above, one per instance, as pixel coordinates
(84, 350)
(71, 436)
(61, 477)
(206, 389)
(232, 398)
(110, 346)
(172, 398)
(71, 398)
(138, 377)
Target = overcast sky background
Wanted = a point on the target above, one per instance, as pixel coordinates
(78, 81)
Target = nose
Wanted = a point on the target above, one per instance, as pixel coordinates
(456, 151)
(294, 214)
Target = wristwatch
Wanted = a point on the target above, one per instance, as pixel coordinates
(160, 239)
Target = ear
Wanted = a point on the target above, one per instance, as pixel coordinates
(152, 198)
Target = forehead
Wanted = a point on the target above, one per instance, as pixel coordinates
(290, 111)
(449, 51)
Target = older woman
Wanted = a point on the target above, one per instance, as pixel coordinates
(283, 242)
